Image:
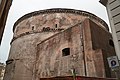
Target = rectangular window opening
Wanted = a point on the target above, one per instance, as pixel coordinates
(66, 52)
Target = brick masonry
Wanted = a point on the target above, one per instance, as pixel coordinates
(87, 53)
(40, 37)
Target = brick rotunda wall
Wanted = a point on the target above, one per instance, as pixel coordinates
(34, 28)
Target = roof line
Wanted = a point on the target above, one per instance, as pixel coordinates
(104, 2)
(60, 10)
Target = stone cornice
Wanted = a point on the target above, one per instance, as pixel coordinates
(104, 2)
(61, 10)
(23, 34)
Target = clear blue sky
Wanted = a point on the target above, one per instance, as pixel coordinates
(21, 7)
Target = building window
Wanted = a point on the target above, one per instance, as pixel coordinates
(55, 25)
(111, 43)
(32, 27)
(66, 52)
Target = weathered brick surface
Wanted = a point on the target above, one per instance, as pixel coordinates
(86, 60)
(55, 30)
(47, 20)
(51, 62)
(97, 48)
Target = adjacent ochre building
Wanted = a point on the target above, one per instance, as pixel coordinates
(4, 8)
(113, 9)
(55, 42)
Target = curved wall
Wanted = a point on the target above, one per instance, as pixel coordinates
(35, 27)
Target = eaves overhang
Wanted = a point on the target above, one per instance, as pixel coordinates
(104, 2)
